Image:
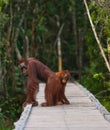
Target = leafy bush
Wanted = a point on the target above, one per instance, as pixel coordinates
(5, 123)
(99, 85)
(10, 110)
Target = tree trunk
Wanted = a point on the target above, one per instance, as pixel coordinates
(76, 41)
(58, 40)
(80, 53)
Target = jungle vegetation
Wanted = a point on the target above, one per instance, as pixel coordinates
(32, 27)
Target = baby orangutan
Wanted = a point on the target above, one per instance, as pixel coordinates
(64, 76)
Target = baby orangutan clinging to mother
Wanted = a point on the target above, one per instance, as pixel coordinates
(55, 82)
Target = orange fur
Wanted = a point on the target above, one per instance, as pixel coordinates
(64, 76)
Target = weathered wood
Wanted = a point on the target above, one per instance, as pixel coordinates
(81, 114)
(20, 124)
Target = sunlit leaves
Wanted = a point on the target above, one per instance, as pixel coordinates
(3, 2)
(98, 76)
(101, 17)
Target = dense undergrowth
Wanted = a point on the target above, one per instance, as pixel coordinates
(9, 113)
(99, 85)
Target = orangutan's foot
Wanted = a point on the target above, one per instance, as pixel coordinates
(59, 103)
(44, 104)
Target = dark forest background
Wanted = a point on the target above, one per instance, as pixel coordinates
(32, 27)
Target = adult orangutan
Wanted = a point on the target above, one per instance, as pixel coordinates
(35, 71)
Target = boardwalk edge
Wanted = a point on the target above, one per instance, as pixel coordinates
(99, 106)
(19, 125)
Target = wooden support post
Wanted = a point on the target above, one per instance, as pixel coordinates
(59, 43)
(59, 54)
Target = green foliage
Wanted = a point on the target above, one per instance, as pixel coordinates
(10, 112)
(4, 126)
(3, 16)
(3, 2)
(11, 108)
(96, 78)
(101, 18)
(5, 123)
(106, 103)
(17, 76)
(94, 82)
(99, 85)
(40, 27)
(3, 19)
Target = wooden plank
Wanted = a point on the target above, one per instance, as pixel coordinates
(81, 114)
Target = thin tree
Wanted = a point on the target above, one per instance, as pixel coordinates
(58, 40)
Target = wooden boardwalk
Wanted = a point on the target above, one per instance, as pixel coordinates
(81, 114)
